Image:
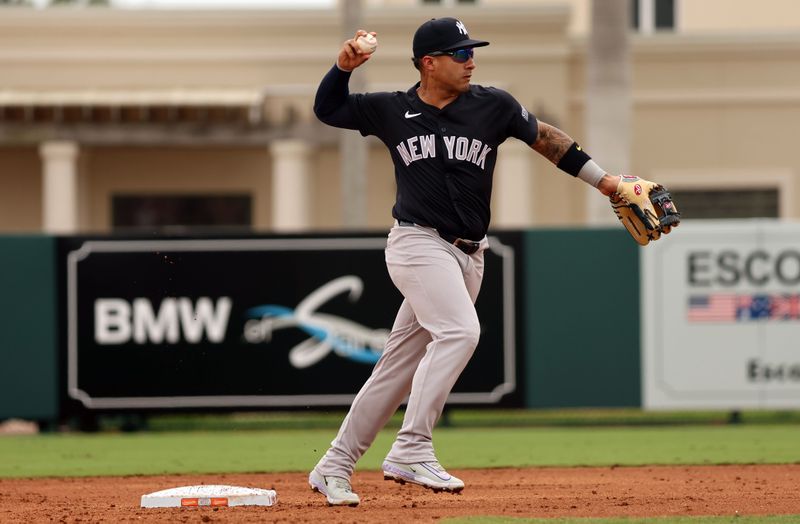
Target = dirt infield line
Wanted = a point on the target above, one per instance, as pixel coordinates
(531, 492)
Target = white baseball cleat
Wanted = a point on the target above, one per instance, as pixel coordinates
(336, 489)
(427, 474)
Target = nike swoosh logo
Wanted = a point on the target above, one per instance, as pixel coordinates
(412, 115)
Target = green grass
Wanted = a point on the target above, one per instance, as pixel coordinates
(75, 454)
(469, 418)
(768, 519)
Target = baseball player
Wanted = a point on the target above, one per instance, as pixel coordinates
(443, 135)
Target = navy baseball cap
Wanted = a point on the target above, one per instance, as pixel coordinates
(443, 34)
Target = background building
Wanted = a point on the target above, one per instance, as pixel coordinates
(163, 120)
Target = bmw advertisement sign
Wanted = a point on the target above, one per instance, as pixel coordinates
(253, 322)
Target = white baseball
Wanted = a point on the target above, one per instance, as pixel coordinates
(367, 43)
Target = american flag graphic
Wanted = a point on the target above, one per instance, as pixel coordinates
(731, 307)
(713, 308)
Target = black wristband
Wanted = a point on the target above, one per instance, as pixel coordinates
(573, 160)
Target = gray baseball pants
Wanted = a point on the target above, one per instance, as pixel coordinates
(434, 335)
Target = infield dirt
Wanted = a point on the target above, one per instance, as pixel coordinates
(531, 492)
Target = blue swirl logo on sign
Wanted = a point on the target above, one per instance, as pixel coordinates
(328, 333)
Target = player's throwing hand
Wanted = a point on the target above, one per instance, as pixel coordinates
(351, 55)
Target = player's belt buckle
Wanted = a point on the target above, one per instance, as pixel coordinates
(467, 246)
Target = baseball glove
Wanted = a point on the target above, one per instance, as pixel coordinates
(645, 209)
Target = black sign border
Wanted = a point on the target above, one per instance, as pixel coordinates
(506, 253)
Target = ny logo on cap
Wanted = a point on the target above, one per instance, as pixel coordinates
(461, 27)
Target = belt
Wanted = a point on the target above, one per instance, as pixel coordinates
(467, 246)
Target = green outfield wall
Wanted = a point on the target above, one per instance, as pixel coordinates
(577, 299)
(581, 318)
(28, 321)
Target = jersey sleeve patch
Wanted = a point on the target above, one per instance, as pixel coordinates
(521, 124)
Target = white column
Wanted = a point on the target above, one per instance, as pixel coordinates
(513, 186)
(647, 17)
(353, 150)
(291, 185)
(609, 112)
(59, 186)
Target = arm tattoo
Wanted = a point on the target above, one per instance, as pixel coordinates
(551, 142)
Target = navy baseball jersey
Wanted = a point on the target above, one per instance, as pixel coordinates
(443, 158)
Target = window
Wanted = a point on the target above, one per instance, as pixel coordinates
(730, 203)
(181, 212)
(648, 16)
(731, 193)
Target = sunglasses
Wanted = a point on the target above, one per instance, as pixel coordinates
(459, 55)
